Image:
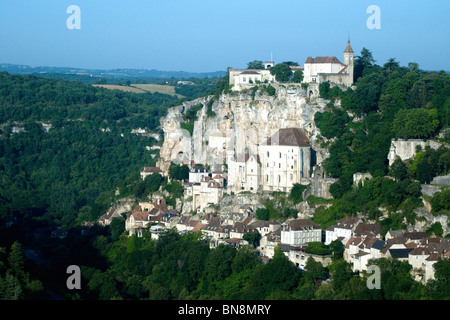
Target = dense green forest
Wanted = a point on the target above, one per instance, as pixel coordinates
(72, 170)
(69, 175)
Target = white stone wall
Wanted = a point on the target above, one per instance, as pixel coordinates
(203, 195)
(406, 149)
(239, 79)
(330, 236)
(312, 70)
(283, 166)
(300, 237)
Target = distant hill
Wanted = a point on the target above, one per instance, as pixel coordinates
(108, 74)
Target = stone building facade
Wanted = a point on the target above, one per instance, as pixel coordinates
(282, 161)
(329, 68)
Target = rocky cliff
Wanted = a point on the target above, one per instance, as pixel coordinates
(236, 123)
(406, 149)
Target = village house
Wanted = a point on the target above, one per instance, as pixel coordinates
(415, 236)
(169, 218)
(231, 218)
(425, 255)
(106, 218)
(416, 248)
(204, 193)
(145, 213)
(268, 243)
(239, 229)
(364, 230)
(197, 173)
(245, 78)
(265, 227)
(155, 231)
(393, 234)
(299, 232)
(244, 173)
(358, 251)
(215, 230)
(342, 230)
(365, 243)
(234, 242)
(186, 224)
(417, 258)
(398, 248)
(137, 221)
(202, 189)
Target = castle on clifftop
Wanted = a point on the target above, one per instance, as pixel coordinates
(315, 70)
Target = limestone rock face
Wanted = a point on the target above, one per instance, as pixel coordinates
(177, 142)
(406, 149)
(241, 122)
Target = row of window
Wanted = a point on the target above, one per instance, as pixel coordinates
(279, 165)
(280, 154)
(252, 79)
(279, 177)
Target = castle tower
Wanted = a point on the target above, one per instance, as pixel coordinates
(268, 64)
(348, 61)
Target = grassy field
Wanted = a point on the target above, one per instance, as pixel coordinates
(117, 87)
(157, 88)
(141, 88)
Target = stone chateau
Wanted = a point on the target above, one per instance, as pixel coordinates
(315, 70)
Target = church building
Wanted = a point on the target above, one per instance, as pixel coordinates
(283, 160)
(322, 69)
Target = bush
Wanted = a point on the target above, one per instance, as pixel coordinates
(331, 124)
(282, 72)
(436, 229)
(324, 89)
(270, 90)
(440, 202)
(262, 214)
(189, 126)
(296, 193)
(318, 248)
(178, 172)
(191, 114)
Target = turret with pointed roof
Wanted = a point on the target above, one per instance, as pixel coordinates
(348, 60)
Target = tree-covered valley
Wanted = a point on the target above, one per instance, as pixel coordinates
(66, 147)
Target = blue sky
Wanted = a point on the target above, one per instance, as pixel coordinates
(211, 35)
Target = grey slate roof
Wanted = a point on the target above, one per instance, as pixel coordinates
(379, 245)
(400, 253)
